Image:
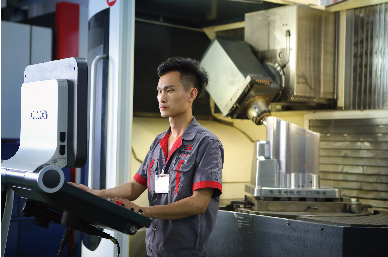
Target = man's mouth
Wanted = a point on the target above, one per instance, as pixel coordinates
(162, 108)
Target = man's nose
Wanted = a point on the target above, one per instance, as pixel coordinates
(162, 97)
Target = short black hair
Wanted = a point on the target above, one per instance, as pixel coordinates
(191, 72)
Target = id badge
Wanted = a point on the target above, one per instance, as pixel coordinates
(162, 184)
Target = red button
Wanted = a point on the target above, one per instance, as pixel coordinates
(119, 202)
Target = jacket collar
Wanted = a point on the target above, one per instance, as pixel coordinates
(189, 132)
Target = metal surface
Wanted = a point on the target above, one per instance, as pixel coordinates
(304, 180)
(334, 207)
(292, 194)
(293, 156)
(353, 157)
(47, 178)
(287, 164)
(92, 208)
(366, 84)
(6, 216)
(272, 236)
(44, 118)
(233, 71)
(376, 220)
(92, 116)
(257, 109)
(74, 71)
(265, 173)
(301, 40)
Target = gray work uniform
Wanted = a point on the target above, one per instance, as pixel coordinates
(195, 162)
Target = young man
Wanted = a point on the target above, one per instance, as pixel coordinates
(182, 170)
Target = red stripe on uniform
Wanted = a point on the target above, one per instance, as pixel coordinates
(149, 174)
(207, 184)
(176, 145)
(178, 175)
(164, 144)
(139, 179)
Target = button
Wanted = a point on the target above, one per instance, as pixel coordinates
(154, 229)
(62, 137)
(62, 149)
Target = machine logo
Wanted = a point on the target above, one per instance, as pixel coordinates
(39, 115)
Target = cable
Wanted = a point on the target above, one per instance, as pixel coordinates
(114, 240)
(64, 241)
(96, 232)
(135, 156)
(232, 125)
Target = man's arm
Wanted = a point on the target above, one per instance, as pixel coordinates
(130, 191)
(193, 205)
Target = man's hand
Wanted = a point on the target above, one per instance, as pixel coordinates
(192, 205)
(127, 204)
(83, 187)
(130, 191)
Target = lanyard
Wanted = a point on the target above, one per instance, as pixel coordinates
(168, 162)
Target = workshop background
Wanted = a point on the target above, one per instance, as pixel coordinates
(353, 127)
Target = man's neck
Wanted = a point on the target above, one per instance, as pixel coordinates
(179, 124)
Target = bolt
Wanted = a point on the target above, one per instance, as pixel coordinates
(353, 208)
(281, 54)
(55, 161)
(132, 230)
(288, 223)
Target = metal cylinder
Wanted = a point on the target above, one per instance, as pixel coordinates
(304, 181)
(48, 178)
(297, 150)
(257, 110)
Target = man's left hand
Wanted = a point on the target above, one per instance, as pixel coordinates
(127, 204)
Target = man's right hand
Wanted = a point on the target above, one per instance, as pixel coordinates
(83, 187)
(130, 190)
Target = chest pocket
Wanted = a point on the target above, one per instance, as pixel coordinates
(184, 174)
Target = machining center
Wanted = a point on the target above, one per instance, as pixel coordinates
(286, 60)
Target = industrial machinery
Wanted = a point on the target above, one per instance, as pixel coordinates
(287, 58)
(53, 135)
(286, 165)
(274, 65)
(277, 64)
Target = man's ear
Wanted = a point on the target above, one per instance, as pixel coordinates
(193, 93)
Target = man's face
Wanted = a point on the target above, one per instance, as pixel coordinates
(172, 97)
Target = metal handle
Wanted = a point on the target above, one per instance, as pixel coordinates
(91, 116)
(6, 218)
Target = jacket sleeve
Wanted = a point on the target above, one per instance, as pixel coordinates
(209, 170)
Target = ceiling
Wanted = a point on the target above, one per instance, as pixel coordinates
(198, 13)
(189, 13)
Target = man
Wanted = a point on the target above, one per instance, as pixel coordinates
(182, 169)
